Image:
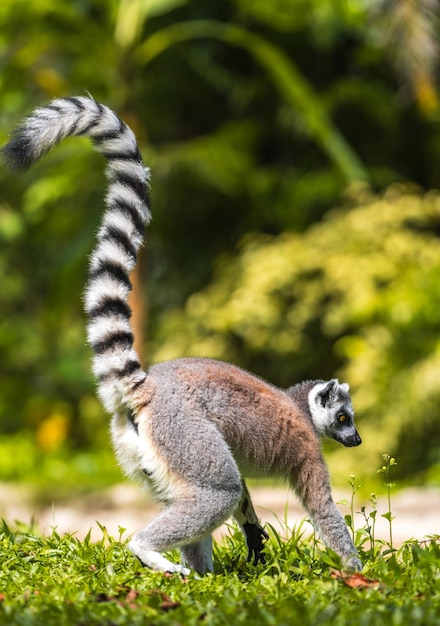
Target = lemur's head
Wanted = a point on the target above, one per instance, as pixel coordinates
(332, 412)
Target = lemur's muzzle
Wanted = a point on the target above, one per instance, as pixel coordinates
(353, 440)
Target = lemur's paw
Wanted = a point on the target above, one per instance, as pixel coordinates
(354, 564)
(255, 538)
(156, 561)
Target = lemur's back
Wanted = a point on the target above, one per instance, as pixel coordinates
(265, 428)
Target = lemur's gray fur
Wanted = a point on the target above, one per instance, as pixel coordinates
(189, 428)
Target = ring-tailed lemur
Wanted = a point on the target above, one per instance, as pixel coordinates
(189, 428)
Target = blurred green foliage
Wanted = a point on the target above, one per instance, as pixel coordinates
(55, 475)
(258, 119)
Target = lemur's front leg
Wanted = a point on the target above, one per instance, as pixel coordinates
(249, 523)
(313, 486)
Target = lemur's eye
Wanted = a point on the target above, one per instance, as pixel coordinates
(341, 417)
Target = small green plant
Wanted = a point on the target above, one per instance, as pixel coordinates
(354, 490)
(368, 530)
(349, 517)
(385, 469)
(370, 522)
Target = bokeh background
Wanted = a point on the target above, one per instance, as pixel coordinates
(295, 156)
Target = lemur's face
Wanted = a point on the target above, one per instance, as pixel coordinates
(332, 413)
(341, 425)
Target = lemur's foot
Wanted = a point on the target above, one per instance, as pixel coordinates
(255, 537)
(156, 561)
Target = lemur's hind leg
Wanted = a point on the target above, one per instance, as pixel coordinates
(250, 525)
(185, 524)
(199, 555)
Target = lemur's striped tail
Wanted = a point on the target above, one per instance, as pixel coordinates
(115, 363)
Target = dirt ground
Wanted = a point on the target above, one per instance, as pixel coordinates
(416, 511)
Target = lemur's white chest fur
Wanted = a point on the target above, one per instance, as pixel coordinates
(139, 459)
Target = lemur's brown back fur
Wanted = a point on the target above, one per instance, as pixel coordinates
(265, 428)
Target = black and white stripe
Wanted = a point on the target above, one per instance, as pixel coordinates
(115, 363)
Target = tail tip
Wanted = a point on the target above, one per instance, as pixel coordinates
(17, 154)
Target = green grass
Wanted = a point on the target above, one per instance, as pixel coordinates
(60, 580)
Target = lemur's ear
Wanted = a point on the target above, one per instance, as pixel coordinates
(328, 392)
(344, 387)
